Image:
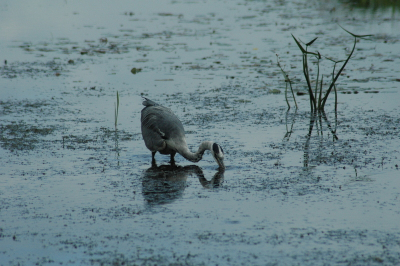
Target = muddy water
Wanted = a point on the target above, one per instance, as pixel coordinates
(75, 191)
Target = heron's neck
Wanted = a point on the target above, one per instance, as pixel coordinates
(198, 155)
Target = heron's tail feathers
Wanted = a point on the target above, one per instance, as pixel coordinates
(148, 102)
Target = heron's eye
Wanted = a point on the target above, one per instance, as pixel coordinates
(215, 148)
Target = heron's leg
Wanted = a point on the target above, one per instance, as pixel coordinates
(172, 158)
(153, 159)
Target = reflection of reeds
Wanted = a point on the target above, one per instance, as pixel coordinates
(316, 118)
(289, 131)
(317, 97)
(116, 111)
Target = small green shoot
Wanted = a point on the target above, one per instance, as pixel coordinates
(116, 110)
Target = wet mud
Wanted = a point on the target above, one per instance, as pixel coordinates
(298, 189)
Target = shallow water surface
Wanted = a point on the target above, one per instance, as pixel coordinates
(297, 189)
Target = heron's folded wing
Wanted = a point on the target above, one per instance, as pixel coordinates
(162, 120)
(150, 121)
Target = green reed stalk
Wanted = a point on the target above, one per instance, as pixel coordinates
(116, 110)
(314, 105)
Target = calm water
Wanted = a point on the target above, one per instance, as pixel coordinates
(74, 191)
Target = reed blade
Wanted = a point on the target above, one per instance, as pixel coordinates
(311, 42)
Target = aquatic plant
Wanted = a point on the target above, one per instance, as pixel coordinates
(317, 97)
(287, 81)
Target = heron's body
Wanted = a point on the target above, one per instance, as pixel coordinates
(163, 132)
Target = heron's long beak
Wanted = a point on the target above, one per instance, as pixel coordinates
(220, 162)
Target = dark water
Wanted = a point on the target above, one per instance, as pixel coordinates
(75, 191)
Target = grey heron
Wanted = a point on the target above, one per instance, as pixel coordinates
(163, 132)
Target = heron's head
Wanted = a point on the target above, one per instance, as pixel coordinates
(218, 154)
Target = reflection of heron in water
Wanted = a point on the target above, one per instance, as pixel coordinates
(166, 183)
(216, 181)
(163, 132)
